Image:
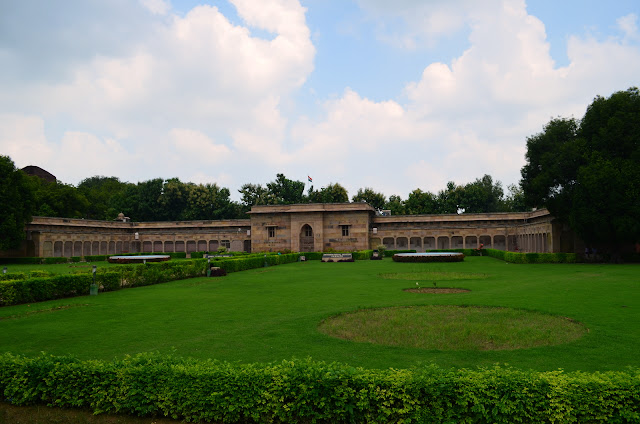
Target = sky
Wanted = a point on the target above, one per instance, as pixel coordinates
(392, 95)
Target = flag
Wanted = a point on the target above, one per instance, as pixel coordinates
(310, 180)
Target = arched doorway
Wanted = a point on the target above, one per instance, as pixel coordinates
(306, 239)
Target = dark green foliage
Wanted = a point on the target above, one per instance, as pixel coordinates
(20, 260)
(100, 192)
(57, 199)
(532, 258)
(308, 391)
(368, 195)
(333, 193)
(16, 204)
(55, 260)
(428, 258)
(587, 173)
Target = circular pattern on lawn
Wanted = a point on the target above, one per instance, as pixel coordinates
(447, 327)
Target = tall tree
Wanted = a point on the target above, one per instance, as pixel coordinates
(57, 199)
(333, 193)
(450, 199)
(377, 200)
(396, 205)
(99, 192)
(17, 204)
(421, 202)
(589, 174)
(286, 191)
(481, 196)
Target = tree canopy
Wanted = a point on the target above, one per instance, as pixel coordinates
(587, 172)
(17, 204)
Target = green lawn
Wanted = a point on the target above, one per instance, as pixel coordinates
(273, 313)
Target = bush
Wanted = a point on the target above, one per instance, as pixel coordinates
(56, 260)
(532, 258)
(149, 385)
(20, 261)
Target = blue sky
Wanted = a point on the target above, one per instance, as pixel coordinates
(368, 93)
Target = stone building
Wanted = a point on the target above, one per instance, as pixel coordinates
(302, 228)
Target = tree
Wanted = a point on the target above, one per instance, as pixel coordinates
(285, 191)
(481, 196)
(396, 205)
(514, 201)
(56, 199)
(588, 173)
(17, 200)
(253, 194)
(449, 200)
(100, 192)
(377, 200)
(333, 193)
(421, 202)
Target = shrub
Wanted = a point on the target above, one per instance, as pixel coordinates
(20, 261)
(149, 385)
(55, 260)
(532, 258)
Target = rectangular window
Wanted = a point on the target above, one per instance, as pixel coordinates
(345, 230)
(271, 232)
(225, 243)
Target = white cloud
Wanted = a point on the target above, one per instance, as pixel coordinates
(629, 26)
(22, 138)
(158, 7)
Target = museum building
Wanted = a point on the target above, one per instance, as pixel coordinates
(310, 227)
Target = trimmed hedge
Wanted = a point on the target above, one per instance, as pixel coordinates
(26, 289)
(532, 258)
(149, 385)
(427, 258)
(358, 255)
(20, 261)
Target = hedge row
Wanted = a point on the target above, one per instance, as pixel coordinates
(532, 258)
(358, 255)
(149, 385)
(253, 261)
(13, 292)
(19, 288)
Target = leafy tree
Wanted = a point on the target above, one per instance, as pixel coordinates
(148, 205)
(56, 199)
(253, 194)
(396, 205)
(17, 200)
(514, 200)
(481, 196)
(286, 191)
(333, 193)
(377, 200)
(421, 202)
(209, 202)
(450, 199)
(588, 175)
(173, 199)
(100, 192)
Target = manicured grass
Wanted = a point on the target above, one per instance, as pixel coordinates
(447, 327)
(273, 313)
(68, 268)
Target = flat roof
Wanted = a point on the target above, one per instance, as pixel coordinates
(313, 207)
